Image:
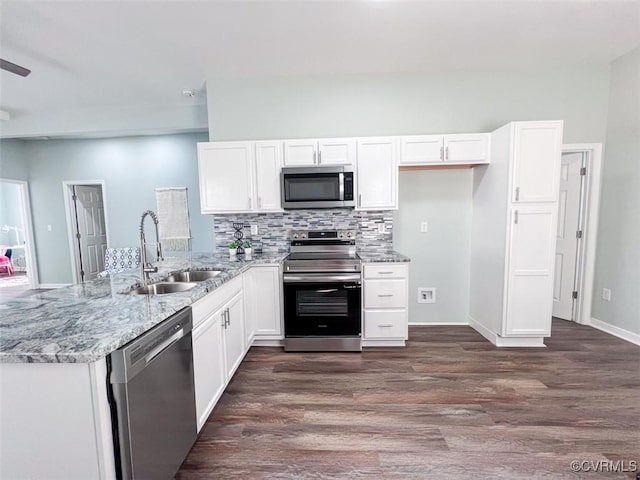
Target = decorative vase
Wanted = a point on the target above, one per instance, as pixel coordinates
(232, 253)
(247, 253)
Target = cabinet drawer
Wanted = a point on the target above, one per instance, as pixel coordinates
(211, 302)
(385, 270)
(385, 324)
(385, 294)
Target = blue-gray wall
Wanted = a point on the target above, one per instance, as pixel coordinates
(13, 163)
(132, 167)
(618, 251)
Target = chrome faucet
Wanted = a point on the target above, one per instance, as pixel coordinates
(145, 265)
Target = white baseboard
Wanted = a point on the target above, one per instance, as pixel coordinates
(54, 285)
(383, 343)
(261, 342)
(615, 331)
(435, 324)
(499, 341)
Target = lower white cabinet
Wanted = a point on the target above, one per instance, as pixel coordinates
(263, 304)
(234, 344)
(386, 302)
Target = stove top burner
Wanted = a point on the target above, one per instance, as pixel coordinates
(323, 251)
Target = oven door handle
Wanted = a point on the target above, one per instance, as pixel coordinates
(328, 278)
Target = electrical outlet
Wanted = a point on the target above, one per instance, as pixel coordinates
(426, 295)
(254, 229)
(49, 228)
(606, 294)
(424, 227)
(382, 228)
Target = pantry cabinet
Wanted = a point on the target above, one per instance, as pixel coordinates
(377, 173)
(513, 239)
(467, 149)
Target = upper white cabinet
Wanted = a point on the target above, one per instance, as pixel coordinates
(268, 166)
(536, 171)
(327, 151)
(225, 170)
(445, 149)
(377, 173)
(239, 176)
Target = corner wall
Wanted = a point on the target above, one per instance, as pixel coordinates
(618, 251)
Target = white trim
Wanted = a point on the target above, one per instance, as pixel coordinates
(73, 252)
(498, 341)
(30, 249)
(260, 342)
(383, 343)
(436, 324)
(615, 331)
(55, 285)
(586, 264)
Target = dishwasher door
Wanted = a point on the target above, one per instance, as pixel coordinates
(154, 399)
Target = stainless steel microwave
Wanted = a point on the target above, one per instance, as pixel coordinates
(318, 187)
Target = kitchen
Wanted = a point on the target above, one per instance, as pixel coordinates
(393, 104)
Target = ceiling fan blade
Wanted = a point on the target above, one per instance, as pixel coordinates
(13, 68)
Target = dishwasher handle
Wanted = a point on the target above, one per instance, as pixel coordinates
(164, 345)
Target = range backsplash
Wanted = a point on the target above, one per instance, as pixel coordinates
(274, 228)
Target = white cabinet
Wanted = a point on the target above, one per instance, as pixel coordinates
(263, 301)
(327, 151)
(225, 171)
(377, 173)
(386, 302)
(239, 176)
(536, 171)
(234, 342)
(208, 365)
(513, 238)
(472, 148)
(268, 160)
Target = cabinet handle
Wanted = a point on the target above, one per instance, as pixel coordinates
(359, 199)
(441, 153)
(385, 273)
(250, 203)
(515, 217)
(315, 157)
(385, 325)
(259, 202)
(385, 295)
(517, 193)
(319, 156)
(228, 317)
(223, 316)
(446, 153)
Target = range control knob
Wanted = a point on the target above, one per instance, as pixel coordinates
(340, 234)
(303, 235)
(295, 235)
(350, 235)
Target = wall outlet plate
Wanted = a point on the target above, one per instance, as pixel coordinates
(606, 294)
(382, 228)
(254, 229)
(426, 295)
(424, 227)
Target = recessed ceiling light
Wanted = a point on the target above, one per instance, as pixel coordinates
(188, 93)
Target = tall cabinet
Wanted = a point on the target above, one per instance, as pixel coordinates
(515, 204)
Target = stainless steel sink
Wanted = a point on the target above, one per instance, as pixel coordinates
(193, 276)
(162, 288)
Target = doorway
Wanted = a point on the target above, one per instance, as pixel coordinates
(86, 227)
(16, 238)
(577, 228)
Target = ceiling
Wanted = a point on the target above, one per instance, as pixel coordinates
(104, 55)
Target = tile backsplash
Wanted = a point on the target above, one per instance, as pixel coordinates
(274, 228)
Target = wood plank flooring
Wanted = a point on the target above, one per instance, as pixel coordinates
(449, 406)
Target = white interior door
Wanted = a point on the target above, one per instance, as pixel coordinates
(567, 241)
(92, 240)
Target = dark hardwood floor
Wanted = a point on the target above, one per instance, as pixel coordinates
(449, 406)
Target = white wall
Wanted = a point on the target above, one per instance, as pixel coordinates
(391, 104)
(618, 251)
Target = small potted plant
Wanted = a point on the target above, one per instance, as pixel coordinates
(247, 249)
(233, 249)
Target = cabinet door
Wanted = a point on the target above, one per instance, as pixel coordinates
(530, 271)
(421, 150)
(467, 148)
(336, 151)
(263, 292)
(537, 158)
(298, 153)
(268, 166)
(234, 341)
(377, 173)
(208, 365)
(225, 171)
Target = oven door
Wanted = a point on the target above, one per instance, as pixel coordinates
(319, 305)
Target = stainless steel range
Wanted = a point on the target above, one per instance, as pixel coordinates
(322, 292)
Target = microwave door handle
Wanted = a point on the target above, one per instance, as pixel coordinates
(341, 180)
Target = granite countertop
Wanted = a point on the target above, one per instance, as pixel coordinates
(85, 322)
(381, 256)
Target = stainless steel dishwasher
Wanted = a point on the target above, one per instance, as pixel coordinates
(153, 400)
